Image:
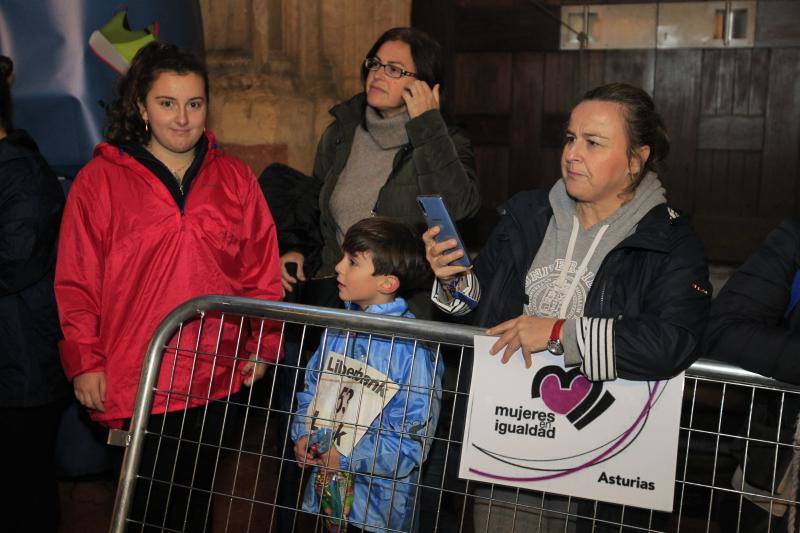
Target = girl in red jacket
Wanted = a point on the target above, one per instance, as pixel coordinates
(160, 215)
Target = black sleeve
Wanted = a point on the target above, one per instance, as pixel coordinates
(747, 327)
(445, 163)
(293, 200)
(664, 337)
(31, 203)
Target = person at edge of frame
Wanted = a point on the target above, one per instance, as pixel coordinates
(33, 389)
(755, 324)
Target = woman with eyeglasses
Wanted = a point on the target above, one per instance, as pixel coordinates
(385, 146)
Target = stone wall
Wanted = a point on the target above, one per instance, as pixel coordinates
(277, 66)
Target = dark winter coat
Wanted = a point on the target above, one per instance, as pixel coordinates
(654, 284)
(752, 326)
(293, 200)
(437, 160)
(747, 327)
(31, 202)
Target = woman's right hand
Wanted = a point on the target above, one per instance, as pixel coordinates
(287, 279)
(439, 258)
(90, 390)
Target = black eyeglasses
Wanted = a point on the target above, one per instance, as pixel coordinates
(393, 71)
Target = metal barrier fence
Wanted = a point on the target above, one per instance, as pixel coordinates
(229, 464)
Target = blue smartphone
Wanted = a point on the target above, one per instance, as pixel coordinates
(435, 213)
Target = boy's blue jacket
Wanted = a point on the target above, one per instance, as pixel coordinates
(397, 443)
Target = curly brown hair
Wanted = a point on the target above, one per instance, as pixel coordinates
(124, 124)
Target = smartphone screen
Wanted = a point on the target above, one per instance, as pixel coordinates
(436, 214)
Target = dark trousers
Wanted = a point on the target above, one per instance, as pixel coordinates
(439, 506)
(27, 452)
(180, 456)
(289, 380)
(735, 512)
(299, 344)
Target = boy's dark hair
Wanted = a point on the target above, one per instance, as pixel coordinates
(124, 124)
(395, 249)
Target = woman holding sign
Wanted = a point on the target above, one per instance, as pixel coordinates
(599, 269)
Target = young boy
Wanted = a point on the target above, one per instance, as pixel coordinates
(376, 397)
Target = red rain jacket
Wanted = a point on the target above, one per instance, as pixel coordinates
(127, 257)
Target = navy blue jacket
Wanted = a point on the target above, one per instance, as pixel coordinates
(749, 326)
(753, 326)
(654, 284)
(31, 202)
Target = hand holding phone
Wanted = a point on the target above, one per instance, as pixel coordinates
(420, 97)
(444, 249)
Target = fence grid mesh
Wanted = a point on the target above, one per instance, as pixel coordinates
(222, 458)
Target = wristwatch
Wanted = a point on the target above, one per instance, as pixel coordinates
(554, 345)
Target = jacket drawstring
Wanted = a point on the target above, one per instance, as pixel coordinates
(562, 313)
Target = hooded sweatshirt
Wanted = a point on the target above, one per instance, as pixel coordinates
(559, 279)
(561, 274)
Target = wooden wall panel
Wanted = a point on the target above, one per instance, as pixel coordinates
(636, 67)
(730, 132)
(780, 166)
(525, 169)
(677, 97)
(483, 83)
(515, 29)
(742, 190)
(777, 23)
(486, 130)
(759, 78)
(718, 87)
(733, 115)
(731, 238)
(492, 164)
(741, 84)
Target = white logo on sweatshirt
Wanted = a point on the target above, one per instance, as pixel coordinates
(546, 296)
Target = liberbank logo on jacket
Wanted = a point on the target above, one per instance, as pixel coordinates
(549, 428)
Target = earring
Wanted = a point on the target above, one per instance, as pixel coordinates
(146, 127)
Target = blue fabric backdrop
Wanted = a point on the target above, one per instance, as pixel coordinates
(61, 86)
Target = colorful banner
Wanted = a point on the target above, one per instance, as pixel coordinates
(63, 82)
(549, 428)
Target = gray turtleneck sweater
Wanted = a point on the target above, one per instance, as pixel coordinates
(367, 168)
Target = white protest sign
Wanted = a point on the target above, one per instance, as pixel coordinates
(549, 428)
(350, 395)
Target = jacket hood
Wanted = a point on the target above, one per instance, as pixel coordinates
(648, 194)
(397, 307)
(17, 145)
(660, 228)
(118, 155)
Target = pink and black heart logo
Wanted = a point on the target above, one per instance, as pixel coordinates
(568, 392)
